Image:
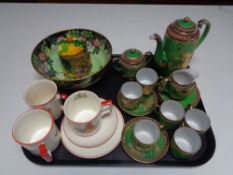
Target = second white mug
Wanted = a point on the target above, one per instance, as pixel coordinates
(43, 94)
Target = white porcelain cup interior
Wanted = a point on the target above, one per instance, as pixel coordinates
(40, 92)
(197, 119)
(184, 76)
(172, 110)
(82, 107)
(131, 90)
(146, 132)
(187, 140)
(33, 126)
(147, 76)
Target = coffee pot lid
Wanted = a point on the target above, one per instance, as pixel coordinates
(185, 25)
(132, 56)
(184, 30)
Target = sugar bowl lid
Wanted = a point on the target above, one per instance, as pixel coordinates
(184, 30)
(132, 56)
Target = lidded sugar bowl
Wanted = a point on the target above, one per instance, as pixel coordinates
(130, 61)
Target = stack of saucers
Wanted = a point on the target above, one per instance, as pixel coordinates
(91, 127)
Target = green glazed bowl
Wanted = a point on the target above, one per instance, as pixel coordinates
(46, 61)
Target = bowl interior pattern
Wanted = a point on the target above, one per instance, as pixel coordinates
(46, 61)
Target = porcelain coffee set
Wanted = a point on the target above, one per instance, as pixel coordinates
(93, 127)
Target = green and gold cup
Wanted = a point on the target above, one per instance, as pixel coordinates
(197, 120)
(181, 83)
(147, 78)
(146, 133)
(130, 95)
(185, 143)
(170, 114)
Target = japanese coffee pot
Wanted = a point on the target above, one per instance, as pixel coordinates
(181, 39)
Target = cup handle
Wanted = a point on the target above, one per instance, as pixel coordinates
(182, 124)
(156, 111)
(161, 126)
(189, 107)
(164, 83)
(106, 107)
(45, 153)
(117, 64)
(148, 56)
(62, 96)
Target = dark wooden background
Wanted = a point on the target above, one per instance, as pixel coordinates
(195, 2)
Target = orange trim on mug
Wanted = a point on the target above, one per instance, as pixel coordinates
(44, 153)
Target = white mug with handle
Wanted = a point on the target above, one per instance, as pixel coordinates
(43, 94)
(36, 131)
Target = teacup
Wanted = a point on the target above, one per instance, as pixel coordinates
(146, 133)
(197, 120)
(43, 94)
(181, 83)
(185, 143)
(147, 78)
(170, 113)
(36, 131)
(84, 112)
(130, 95)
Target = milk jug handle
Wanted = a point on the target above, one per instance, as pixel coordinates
(206, 30)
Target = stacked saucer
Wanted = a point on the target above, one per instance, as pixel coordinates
(97, 144)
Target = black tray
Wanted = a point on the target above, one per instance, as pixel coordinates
(107, 88)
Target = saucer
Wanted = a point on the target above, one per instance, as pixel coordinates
(146, 105)
(107, 129)
(150, 156)
(192, 99)
(98, 151)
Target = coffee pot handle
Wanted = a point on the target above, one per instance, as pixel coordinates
(206, 30)
(45, 153)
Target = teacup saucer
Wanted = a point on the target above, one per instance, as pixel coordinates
(107, 129)
(145, 107)
(97, 151)
(193, 99)
(159, 149)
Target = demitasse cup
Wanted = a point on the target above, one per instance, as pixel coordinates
(84, 112)
(170, 113)
(43, 94)
(146, 133)
(197, 120)
(36, 131)
(147, 78)
(130, 95)
(185, 143)
(181, 83)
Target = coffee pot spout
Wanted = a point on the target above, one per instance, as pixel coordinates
(159, 54)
